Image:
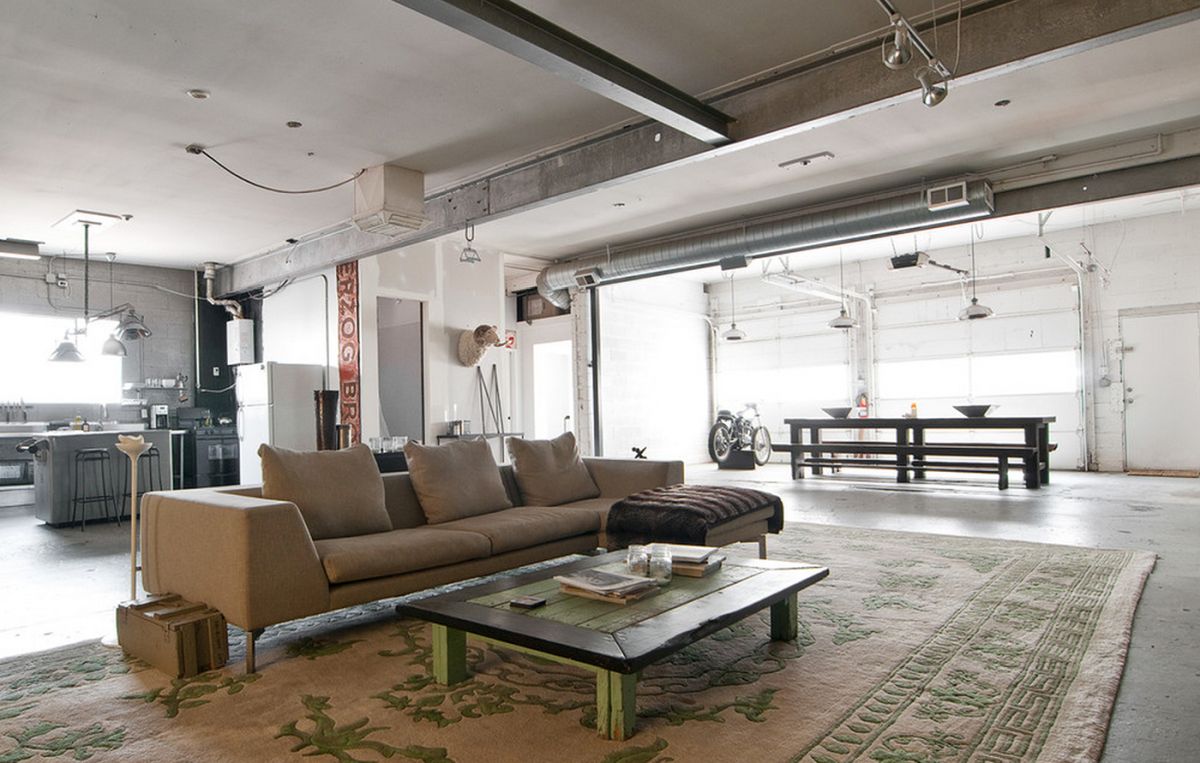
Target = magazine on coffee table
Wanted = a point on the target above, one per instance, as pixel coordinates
(603, 582)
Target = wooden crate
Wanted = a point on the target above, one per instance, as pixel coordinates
(179, 637)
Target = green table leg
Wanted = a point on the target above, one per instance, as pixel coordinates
(449, 655)
(616, 704)
(783, 619)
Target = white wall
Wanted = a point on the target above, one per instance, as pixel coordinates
(299, 324)
(654, 377)
(1154, 262)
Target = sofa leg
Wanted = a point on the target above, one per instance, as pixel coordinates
(762, 546)
(251, 635)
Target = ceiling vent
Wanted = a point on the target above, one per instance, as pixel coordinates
(389, 200)
(950, 196)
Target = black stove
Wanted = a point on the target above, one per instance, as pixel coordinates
(212, 449)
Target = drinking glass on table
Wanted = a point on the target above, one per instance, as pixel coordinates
(659, 565)
(637, 559)
(376, 444)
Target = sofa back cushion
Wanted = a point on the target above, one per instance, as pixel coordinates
(455, 480)
(339, 492)
(550, 472)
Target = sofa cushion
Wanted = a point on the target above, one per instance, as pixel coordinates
(396, 552)
(456, 480)
(338, 492)
(550, 472)
(527, 526)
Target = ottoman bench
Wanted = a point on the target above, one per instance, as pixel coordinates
(701, 515)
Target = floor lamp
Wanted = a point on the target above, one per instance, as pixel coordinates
(133, 446)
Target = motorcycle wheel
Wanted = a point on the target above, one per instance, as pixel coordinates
(720, 441)
(760, 441)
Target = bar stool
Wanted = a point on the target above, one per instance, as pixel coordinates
(149, 475)
(92, 484)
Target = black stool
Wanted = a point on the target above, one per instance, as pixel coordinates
(92, 484)
(149, 475)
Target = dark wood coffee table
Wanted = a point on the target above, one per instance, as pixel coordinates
(615, 641)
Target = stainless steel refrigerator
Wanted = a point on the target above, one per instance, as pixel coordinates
(275, 406)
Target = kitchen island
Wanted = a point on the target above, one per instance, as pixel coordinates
(54, 466)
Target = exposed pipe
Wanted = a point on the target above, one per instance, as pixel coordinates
(893, 214)
(210, 277)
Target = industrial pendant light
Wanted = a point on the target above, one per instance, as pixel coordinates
(468, 254)
(974, 311)
(734, 334)
(112, 345)
(843, 320)
(66, 350)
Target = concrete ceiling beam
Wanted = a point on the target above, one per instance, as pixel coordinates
(509, 27)
(1002, 37)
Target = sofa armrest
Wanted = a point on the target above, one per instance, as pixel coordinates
(619, 477)
(250, 558)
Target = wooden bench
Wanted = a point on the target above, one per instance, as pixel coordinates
(918, 458)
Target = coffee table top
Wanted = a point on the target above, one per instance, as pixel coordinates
(619, 637)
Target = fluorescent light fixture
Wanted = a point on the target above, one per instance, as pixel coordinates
(19, 249)
(804, 161)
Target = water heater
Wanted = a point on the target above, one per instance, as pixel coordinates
(239, 341)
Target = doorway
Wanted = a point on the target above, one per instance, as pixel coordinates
(401, 360)
(547, 378)
(1161, 364)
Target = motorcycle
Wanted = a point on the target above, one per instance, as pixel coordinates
(738, 432)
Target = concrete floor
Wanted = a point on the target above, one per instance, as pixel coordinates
(61, 585)
(1155, 716)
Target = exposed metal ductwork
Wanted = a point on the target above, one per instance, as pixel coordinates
(879, 217)
(231, 305)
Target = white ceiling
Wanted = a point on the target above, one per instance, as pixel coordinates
(96, 116)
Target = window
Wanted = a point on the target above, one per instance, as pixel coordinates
(26, 342)
(1032, 373)
(922, 379)
(807, 384)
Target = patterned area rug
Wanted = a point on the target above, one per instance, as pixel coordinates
(916, 649)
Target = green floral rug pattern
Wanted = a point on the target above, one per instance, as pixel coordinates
(916, 649)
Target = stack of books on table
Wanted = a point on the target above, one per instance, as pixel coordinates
(694, 561)
(601, 585)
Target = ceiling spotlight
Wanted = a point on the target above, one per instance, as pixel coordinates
(198, 94)
(933, 83)
(898, 51)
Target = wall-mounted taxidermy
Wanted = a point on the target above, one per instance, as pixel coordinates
(473, 343)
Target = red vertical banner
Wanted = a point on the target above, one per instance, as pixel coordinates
(348, 347)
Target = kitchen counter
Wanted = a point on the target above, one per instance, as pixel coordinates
(54, 467)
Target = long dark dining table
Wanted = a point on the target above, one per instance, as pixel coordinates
(910, 447)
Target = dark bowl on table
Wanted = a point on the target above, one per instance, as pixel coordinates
(973, 411)
(838, 413)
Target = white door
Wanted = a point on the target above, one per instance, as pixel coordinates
(1162, 391)
(547, 377)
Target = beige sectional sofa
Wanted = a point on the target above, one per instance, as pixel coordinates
(255, 560)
